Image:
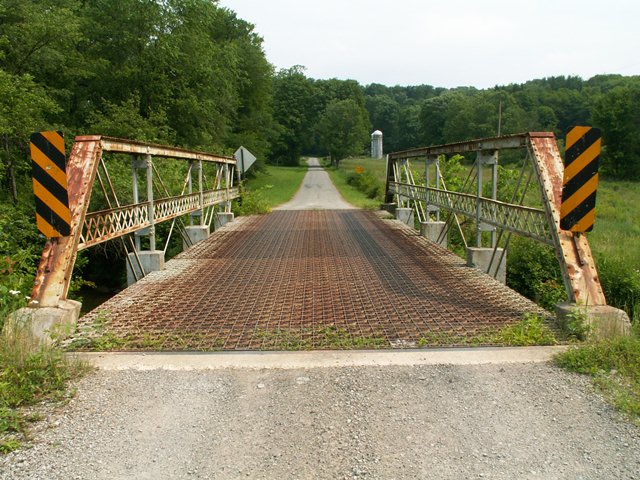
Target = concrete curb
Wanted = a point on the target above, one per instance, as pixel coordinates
(317, 359)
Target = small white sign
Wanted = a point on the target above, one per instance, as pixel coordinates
(245, 159)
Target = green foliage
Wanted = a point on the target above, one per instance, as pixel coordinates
(621, 284)
(615, 368)
(355, 191)
(575, 325)
(452, 171)
(29, 373)
(20, 248)
(367, 183)
(617, 113)
(329, 337)
(294, 110)
(270, 187)
(533, 271)
(253, 202)
(530, 330)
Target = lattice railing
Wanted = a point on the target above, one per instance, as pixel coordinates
(526, 221)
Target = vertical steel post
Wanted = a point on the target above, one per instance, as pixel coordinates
(479, 195)
(136, 194)
(494, 194)
(152, 228)
(227, 205)
(200, 187)
(438, 182)
(427, 164)
(190, 187)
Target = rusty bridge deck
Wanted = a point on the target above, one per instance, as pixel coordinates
(307, 279)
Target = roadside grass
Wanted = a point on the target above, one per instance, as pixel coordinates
(30, 373)
(98, 336)
(271, 187)
(614, 366)
(360, 181)
(329, 337)
(530, 330)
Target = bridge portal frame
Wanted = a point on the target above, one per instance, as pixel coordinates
(91, 228)
(572, 249)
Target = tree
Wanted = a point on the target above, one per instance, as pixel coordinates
(617, 113)
(23, 108)
(293, 102)
(343, 129)
(384, 113)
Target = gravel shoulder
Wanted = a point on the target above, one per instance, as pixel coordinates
(526, 421)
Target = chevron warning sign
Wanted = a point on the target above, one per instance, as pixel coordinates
(50, 184)
(580, 182)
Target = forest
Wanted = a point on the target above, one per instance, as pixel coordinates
(190, 73)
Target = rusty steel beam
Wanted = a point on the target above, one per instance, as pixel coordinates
(59, 255)
(472, 146)
(572, 249)
(119, 145)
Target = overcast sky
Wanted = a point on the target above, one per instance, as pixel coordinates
(447, 43)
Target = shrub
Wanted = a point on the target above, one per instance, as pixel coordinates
(621, 285)
(366, 182)
(253, 202)
(533, 271)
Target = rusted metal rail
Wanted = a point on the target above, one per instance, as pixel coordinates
(542, 224)
(86, 164)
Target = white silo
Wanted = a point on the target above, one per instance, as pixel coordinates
(376, 144)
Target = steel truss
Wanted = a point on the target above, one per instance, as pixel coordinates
(541, 224)
(86, 164)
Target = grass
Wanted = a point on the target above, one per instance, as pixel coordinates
(617, 227)
(530, 330)
(99, 337)
(330, 337)
(269, 188)
(614, 366)
(357, 195)
(30, 373)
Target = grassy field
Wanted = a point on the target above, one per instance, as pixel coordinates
(372, 170)
(617, 229)
(269, 188)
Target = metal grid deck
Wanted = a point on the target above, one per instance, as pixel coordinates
(307, 279)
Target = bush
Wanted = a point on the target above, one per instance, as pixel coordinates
(533, 271)
(253, 202)
(621, 285)
(366, 182)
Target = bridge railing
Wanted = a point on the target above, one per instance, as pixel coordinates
(102, 209)
(542, 166)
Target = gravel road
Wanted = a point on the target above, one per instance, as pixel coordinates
(524, 421)
(317, 192)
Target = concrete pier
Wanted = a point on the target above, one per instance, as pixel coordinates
(196, 233)
(221, 219)
(405, 215)
(434, 232)
(480, 258)
(151, 260)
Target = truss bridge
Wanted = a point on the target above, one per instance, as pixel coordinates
(320, 277)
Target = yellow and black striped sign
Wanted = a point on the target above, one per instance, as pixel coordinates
(580, 182)
(50, 184)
